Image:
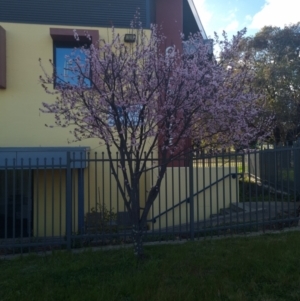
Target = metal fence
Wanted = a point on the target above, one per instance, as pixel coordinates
(75, 202)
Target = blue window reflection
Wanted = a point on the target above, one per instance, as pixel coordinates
(132, 115)
(67, 70)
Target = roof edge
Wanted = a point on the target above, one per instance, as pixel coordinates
(197, 18)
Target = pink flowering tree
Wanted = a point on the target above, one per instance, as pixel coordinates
(137, 98)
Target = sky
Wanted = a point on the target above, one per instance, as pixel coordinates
(234, 15)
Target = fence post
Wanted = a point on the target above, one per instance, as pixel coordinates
(68, 202)
(296, 161)
(191, 201)
(80, 172)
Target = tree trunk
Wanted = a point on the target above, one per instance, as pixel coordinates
(137, 234)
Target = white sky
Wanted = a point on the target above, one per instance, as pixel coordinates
(277, 13)
(233, 15)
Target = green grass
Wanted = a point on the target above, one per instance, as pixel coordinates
(254, 268)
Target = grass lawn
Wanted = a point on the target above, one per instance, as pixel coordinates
(254, 268)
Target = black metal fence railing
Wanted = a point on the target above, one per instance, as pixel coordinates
(76, 202)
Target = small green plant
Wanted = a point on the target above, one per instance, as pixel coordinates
(100, 220)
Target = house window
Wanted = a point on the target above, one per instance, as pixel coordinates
(131, 115)
(70, 54)
(70, 63)
(2, 58)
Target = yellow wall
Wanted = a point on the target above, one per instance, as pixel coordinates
(49, 191)
(21, 123)
(49, 203)
(100, 188)
(175, 188)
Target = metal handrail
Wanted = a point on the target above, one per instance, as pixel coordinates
(187, 200)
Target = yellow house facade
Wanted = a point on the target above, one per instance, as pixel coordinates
(33, 157)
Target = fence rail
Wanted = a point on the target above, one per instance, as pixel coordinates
(76, 202)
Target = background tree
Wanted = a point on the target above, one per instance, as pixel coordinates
(135, 99)
(274, 55)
